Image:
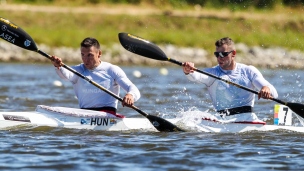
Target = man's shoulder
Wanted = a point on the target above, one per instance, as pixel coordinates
(248, 68)
(242, 65)
(245, 66)
(109, 66)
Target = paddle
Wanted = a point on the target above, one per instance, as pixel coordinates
(15, 35)
(145, 48)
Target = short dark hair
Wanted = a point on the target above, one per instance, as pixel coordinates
(90, 41)
(226, 40)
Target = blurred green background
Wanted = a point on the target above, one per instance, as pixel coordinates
(186, 23)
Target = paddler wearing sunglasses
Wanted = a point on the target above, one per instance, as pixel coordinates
(231, 102)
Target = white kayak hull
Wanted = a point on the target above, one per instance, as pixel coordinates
(93, 120)
(107, 124)
(72, 118)
(210, 126)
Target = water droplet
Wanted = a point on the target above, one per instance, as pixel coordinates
(136, 74)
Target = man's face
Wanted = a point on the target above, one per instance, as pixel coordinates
(90, 57)
(226, 62)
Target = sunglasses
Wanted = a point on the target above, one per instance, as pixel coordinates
(222, 54)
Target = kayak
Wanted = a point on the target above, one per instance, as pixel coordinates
(209, 126)
(95, 120)
(283, 119)
(72, 118)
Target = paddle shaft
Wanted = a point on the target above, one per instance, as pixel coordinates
(226, 81)
(92, 82)
(159, 123)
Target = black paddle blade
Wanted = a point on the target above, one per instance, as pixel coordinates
(141, 46)
(297, 108)
(15, 35)
(163, 125)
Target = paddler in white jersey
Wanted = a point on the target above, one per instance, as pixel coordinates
(231, 102)
(111, 77)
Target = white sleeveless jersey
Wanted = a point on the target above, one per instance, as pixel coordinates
(109, 76)
(225, 96)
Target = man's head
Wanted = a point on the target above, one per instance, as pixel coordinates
(225, 53)
(225, 41)
(90, 52)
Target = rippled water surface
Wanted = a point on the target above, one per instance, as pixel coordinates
(24, 86)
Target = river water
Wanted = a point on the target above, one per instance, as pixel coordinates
(24, 86)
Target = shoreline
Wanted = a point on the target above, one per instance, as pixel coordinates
(260, 56)
(274, 58)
